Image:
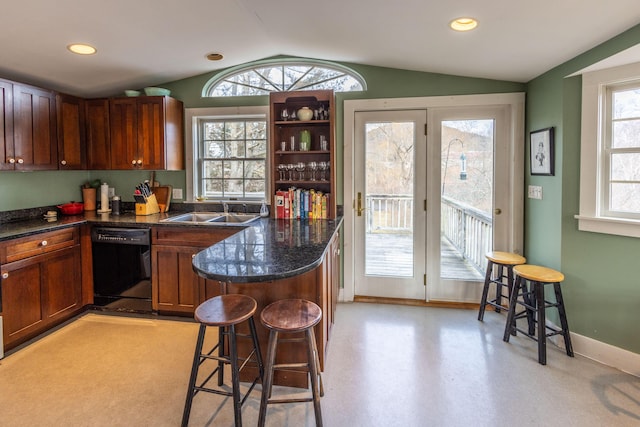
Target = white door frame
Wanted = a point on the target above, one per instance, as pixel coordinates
(515, 102)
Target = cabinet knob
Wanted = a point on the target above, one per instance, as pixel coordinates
(44, 243)
(20, 161)
(5, 275)
(139, 162)
(63, 163)
(12, 160)
(133, 162)
(193, 256)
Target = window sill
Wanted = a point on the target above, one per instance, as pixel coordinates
(616, 226)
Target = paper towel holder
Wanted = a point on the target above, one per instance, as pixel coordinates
(104, 198)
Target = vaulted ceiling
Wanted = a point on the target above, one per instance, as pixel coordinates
(149, 42)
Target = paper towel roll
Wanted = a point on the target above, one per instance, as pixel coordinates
(104, 197)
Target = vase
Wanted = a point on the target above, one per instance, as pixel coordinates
(305, 113)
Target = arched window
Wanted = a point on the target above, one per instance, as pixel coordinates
(283, 75)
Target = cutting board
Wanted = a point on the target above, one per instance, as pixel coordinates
(163, 195)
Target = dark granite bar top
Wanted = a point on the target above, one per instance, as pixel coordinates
(269, 249)
(266, 249)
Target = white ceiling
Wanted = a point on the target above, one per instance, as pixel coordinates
(149, 42)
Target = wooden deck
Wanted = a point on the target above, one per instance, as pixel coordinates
(391, 255)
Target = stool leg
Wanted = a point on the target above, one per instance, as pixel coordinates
(313, 371)
(542, 324)
(268, 377)
(235, 376)
(563, 319)
(256, 347)
(509, 327)
(485, 290)
(194, 375)
(317, 361)
(221, 352)
(499, 287)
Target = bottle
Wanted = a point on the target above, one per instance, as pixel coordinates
(264, 210)
(115, 205)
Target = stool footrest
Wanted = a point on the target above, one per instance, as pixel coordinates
(292, 400)
(291, 365)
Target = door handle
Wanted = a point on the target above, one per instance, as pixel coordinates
(497, 211)
(359, 207)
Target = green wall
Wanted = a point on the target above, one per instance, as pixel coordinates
(601, 288)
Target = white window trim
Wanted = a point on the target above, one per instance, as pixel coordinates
(191, 119)
(590, 218)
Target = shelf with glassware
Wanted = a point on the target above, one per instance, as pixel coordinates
(303, 153)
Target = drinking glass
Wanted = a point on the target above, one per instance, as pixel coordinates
(284, 114)
(293, 143)
(300, 168)
(323, 143)
(323, 166)
(290, 168)
(281, 170)
(313, 167)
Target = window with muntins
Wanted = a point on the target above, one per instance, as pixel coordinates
(261, 78)
(231, 158)
(610, 151)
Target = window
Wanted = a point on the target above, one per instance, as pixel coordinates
(610, 152)
(228, 156)
(263, 77)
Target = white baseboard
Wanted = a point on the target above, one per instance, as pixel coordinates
(607, 354)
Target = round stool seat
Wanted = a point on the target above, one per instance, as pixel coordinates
(538, 273)
(291, 315)
(225, 310)
(506, 258)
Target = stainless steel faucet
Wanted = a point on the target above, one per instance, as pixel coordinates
(225, 207)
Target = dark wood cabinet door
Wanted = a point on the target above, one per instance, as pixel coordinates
(61, 283)
(151, 136)
(34, 128)
(21, 302)
(71, 133)
(7, 157)
(124, 133)
(176, 285)
(98, 134)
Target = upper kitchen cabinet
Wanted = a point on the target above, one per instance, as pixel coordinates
(146, 133)
(98, 135)
(303, 153)
(71, 132)
(29, 140)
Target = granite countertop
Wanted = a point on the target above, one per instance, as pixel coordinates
(265, 249)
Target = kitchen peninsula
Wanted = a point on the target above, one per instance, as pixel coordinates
(268, 259)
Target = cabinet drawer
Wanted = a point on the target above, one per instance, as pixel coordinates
(184, 236)
(25, 247)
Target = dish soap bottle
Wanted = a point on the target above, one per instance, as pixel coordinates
(264, 211)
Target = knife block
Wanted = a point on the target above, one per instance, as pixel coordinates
(149, 207)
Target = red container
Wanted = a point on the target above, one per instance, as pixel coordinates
(72, 208)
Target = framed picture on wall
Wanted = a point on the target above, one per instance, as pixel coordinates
(541, 152)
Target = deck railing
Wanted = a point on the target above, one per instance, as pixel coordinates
(468, 229)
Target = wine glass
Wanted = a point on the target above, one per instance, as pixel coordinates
(290, 168)
(313, 167)
(281, 170)
(300, 169)
(284, 114)
(323, 166)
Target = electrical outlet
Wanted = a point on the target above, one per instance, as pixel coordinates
(535, 192)
(177, 193)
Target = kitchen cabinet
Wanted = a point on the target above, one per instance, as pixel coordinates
(98, 135)
(177, 289)
(71, 132)
(28, 128)
(41, 283)
(146, 133)
(284, 162)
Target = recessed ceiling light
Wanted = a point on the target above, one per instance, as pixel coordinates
(463, 24)
(82, 49)
(214, 56)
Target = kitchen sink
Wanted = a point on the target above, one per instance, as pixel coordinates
(213, 218)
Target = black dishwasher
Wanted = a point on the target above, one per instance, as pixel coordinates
(122, 269)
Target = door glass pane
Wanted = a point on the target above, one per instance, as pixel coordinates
(466, 228)
(388, 198)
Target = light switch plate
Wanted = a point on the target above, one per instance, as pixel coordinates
(177, 193)
(535, 192)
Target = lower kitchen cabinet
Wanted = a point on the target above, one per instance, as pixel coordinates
(43, 287)
(177, 289)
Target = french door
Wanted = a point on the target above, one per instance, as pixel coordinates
(428, 207)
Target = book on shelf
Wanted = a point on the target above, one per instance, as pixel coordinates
(297, 203)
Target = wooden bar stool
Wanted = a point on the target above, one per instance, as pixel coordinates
(225, 312)
(503, 261)
(533, 301)
(290, 316)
